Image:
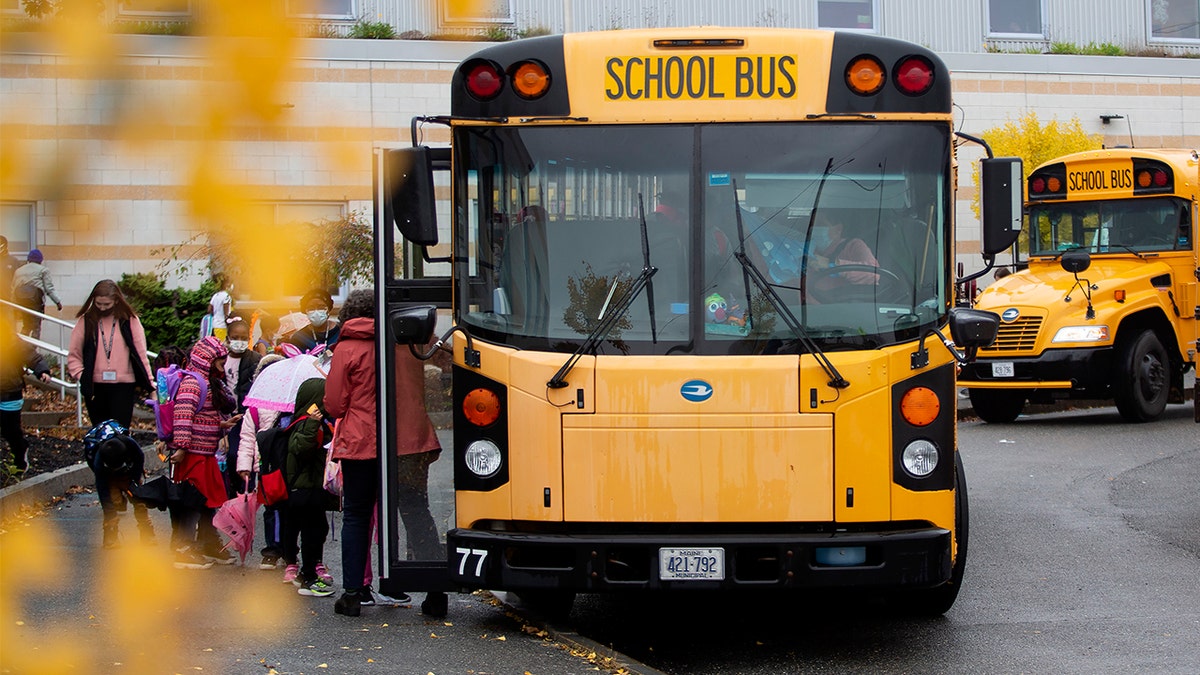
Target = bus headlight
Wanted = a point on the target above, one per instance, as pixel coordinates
(483, 458)
(920, 458)
(1081, 334)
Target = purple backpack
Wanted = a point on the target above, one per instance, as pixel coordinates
(167, 386)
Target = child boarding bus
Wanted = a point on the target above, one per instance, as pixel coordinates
(694, 273)
(1107, 307)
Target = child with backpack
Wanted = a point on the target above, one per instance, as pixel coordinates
(249, 465)
(304, 473)
(118, 463)
(203, 412)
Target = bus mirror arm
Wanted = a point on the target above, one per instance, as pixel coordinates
(969, 328)
(470, 355)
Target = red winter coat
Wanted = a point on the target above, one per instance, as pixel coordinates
(350, 396)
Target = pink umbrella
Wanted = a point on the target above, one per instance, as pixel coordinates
(236, 519)
(276, 386)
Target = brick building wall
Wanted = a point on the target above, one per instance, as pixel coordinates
(106, 158)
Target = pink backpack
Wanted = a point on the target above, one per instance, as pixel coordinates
(167, 386)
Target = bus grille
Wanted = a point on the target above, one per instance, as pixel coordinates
(1018, 336)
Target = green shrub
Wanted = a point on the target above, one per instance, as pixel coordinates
(372, 30)
(171, 317)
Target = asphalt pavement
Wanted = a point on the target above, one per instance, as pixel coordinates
(68, 605)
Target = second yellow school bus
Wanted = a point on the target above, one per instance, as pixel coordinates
(696, 270)
(1107, 308)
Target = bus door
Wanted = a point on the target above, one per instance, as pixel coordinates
(416, 490)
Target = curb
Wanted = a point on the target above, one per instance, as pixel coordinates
(44, 488)
(570, 638)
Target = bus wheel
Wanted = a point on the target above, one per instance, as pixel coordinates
(1143, 379)
(936, 601)
(554, 605)
(997, 406)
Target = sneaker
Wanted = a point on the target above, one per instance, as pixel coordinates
(323, 574)
(352, 602)
(291, 574)
(315, 588)
(378, 598)
(221, 556)
(269, 562)
(187, 559)
(21, 460)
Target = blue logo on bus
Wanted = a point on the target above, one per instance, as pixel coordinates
(1010, 315)
(696, 391)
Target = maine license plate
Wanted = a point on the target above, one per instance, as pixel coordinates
(1003, 369)
(691, 564)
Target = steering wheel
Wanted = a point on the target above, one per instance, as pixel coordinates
(888, 288)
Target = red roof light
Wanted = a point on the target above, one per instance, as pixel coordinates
(914, 75)
(484, 80)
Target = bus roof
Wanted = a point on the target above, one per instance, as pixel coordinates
(704, 74)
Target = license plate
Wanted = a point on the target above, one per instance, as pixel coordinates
(1003, 369)
(691, 564)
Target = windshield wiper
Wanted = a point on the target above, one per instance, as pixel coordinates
(609, 316)
(835, 378)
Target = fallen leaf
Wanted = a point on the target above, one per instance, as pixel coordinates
(501, 639)
(370, 660)
(447, 623)
(435, 636)
(323, 665)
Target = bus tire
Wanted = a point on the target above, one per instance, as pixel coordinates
(997, 406)
(936, 601)
(1143, 379)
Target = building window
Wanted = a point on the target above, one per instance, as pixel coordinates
(1174, 20)
(155, 7)
(846, 14)
(11, 7)
(18, 225)
(479, 11)
(1015, 17)
(321, 9)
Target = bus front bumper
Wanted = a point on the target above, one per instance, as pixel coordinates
(1081, 369)
(918, 557)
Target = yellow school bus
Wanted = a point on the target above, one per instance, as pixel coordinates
(1107, 307)
(694, 275)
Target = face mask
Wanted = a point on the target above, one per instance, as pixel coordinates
(238, 346)
(318, 317)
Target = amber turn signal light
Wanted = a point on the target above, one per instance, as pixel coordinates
(865, 75)
(920, 406)
(481, 407)
(530, 80)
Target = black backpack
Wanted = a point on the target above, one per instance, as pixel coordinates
(273, 447)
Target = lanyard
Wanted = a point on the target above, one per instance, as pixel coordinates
(111, 338)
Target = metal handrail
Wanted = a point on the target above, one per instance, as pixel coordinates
(62, 382)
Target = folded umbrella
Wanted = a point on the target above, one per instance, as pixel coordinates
(236, 519)
(276, 386)
(161, 492)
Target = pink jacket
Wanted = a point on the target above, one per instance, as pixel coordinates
(350, 397)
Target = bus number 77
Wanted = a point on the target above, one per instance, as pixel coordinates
(465, 554)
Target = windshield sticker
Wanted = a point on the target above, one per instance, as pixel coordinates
(696, 391)
(717, 179)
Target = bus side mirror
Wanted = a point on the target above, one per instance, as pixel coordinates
(1001, 190)
(1075, 261)
(413, 324)
(973, 328)
(408, 194)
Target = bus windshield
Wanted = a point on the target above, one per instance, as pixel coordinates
(845, 221)
(1110, 226)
